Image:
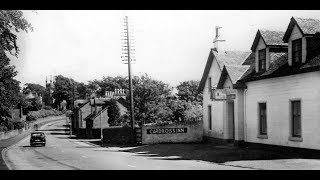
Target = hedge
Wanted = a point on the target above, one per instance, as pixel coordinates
(34, 115)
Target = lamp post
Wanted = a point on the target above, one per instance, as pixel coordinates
(101, 134)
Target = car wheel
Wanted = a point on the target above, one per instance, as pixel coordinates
(44, 144)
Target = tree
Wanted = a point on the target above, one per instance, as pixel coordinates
(113, 112)
(35, 88)
(11, 22)
(145, 92)
(187, 90)
(83, 90)
(63, 90)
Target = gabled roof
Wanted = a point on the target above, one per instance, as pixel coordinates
(223, 58)
(307, 26)
(277, 60)
(235, 72)
(270, 38)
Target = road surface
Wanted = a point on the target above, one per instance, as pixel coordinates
(64, 153)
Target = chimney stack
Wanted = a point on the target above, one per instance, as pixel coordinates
(217, 39)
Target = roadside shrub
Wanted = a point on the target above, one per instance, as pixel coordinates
(18, 124)
(34, 115)
(3, 128)
(10, 125)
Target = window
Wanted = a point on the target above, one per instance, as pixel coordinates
(296, 118)
(296, 51)
(263, 118)
(209, 117)
(262, 60)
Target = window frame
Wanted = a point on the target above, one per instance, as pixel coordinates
(296, 49)
(210, 117)
(293, 118)
(263, 59)
(262, 119)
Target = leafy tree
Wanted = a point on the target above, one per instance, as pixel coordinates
(113, 112)
(11, 22)
(36, 88)
(145, 91)
(187, 90)
(83, 90)
(63, 90)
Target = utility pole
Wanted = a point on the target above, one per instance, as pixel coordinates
(127, 51)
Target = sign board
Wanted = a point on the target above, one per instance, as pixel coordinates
(167, 131)
(224, 94)
(219, 94)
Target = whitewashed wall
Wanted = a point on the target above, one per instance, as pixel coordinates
(217, 106)
(277, 92)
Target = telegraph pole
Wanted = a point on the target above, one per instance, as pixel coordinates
(127, 51)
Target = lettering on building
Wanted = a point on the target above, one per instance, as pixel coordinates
(167, 131)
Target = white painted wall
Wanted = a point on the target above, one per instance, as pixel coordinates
(277, 93)
(104, 120)
(85, 111)
(217, 106)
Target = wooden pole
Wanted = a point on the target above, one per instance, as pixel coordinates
(130, 82)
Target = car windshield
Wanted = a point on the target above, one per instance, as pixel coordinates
(37, 134)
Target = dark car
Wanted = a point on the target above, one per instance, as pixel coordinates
(38, 138)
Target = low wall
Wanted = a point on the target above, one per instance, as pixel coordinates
(117, 135)
(173, 133)
(40, 122)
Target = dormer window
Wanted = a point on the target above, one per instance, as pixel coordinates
(262, 60)
(296, 51)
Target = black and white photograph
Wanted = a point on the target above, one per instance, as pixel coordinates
(160, 90)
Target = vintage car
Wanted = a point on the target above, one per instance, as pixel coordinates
(37, 138)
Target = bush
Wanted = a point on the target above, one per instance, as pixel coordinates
(18, 124)
(34, 115)
(3, 128)
(10, 125)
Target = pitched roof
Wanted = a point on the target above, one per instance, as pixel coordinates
(277, 59)
(231, 57)
(306, 25)
(270, 38)
(235, 72)
(223, 58)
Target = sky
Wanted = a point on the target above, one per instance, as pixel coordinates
(171, 46)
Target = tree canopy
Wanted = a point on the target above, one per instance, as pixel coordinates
(11, 22)
(187, 90)
(35, 88)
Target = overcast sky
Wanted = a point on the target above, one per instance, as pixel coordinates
(171, 46)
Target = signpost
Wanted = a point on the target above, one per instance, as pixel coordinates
(224, 94)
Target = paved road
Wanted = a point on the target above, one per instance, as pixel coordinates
(63, 153)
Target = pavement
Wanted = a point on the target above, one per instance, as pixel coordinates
(13, 140)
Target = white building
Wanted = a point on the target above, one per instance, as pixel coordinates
(276, 90)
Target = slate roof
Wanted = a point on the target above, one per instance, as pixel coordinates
(277, 60)
(273, 37)
(308, 25)
(231, 57)
(270, 38)
(223, 58)
(235, 72)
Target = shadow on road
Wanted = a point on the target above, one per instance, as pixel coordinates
(203, 152)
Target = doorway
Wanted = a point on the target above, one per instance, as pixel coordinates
(230, 112)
